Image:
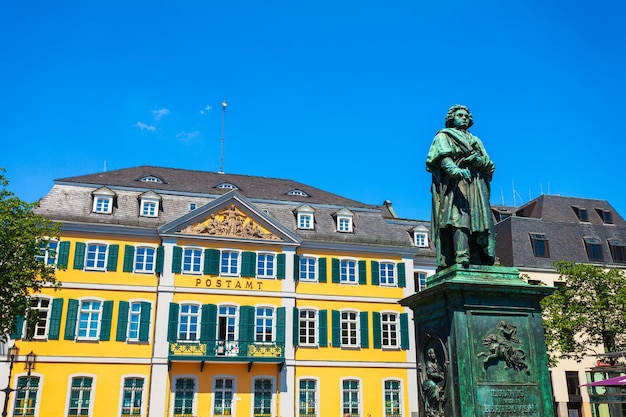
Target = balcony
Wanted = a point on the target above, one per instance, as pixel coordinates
(227, 351)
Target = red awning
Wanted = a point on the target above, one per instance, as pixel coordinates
(611, 382)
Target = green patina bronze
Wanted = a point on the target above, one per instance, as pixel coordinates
(479, 327)
(462, 223)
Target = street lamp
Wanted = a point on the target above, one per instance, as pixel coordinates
(11, 357)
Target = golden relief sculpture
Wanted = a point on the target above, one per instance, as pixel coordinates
(230, 222)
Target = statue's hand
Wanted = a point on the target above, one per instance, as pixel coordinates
(463, 174)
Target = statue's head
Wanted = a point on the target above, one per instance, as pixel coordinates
(452, 111)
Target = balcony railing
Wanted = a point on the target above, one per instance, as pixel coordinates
(227, 350)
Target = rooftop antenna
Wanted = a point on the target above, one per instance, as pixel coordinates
(224, 104)
(105, 165)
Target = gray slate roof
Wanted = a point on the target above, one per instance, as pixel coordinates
(555, 217)
(70, 201)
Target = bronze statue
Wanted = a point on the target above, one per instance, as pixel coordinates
(432, 385)
(462, 223)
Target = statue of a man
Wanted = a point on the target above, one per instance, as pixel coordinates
(462, 222)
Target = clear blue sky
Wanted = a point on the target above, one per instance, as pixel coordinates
(342, 95)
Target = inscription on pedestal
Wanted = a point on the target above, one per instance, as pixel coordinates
(507, 400)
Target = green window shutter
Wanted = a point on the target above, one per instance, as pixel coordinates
(401, 274)
(377, 331)
(55, 319)
(404, 331)
(322, 320)
(321, 270)
(248, 264)
(296, 268)
(160, 256)
(336, 328)
(246, 324)
(79, 255)
(70, 321)
(208, 322)
(335, 271)
(18, 327)
(112, 257)
(296, 326)
(177, 260)
(144, 321)
(362, 273)
(211, 262)
(364, 323)
(172, 326)
(122, 321)
(280, 325)
(105, 325)
(375, 273)
(129, 258)
(280, 266)
(64, 255)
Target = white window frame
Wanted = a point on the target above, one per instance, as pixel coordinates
(192, 319)
(233, 395)
(265, 265)
(309, 325)
(267, 324)
(98, 263)
(134, 318)
(93, 316)
(307, 262)
(142, 265)
(227, 254)
(305, 221)
(92, 392)
(48, 252)
(350, 329)
(37, 393)
(272, 389)
(228, 315)
(194, 405)
(351, 274)
(390, 330)
(359, 394)
(102, 204)
(142, 411)
(38, 309)
(399, 395)
(196, 260)
(421, 274)
(149, 207)
(421, 239)
(316, 395)
(388, 278)
(344, 224)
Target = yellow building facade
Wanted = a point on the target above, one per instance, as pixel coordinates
(188, 293)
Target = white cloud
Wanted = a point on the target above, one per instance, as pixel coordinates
(144, 126)
(205, 109)
(158, 114)
(187, 137)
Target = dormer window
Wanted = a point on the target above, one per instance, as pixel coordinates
(298, 193)
(103, 200)
(344, 220)
(605, 215)
(304, 217)
(420, 236)
(227, 186)
(151, 178)
(581, 213)
(149, 206)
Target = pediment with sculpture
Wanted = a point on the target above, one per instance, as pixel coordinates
(230, 222)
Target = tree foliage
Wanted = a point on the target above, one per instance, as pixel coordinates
(23, 236)
(586, 312)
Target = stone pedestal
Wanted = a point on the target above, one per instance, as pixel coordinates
(480, 345)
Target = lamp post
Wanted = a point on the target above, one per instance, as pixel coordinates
(11, 357)
(29, 365)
